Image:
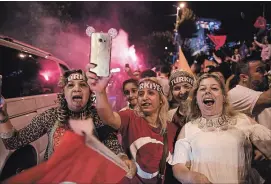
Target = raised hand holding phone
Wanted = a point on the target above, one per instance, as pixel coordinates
(100, 53)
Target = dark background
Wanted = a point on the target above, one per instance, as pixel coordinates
(25, 21)
(141, 18)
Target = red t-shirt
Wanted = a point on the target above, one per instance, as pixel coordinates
(145, 145)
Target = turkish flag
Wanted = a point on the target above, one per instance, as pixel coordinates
(260, 23)
(72, 161)
(219, 41)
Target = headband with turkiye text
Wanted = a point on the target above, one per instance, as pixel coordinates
(180, 76)
(76, 76)
(151, 85)
(182, 79)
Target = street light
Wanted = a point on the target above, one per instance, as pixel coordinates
(182, 5)
(176, 35)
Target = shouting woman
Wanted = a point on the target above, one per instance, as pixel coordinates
(216, 145)
(75, 102)
(146, 134)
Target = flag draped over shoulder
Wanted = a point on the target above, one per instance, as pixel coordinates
(72, 161)
(219, 41)
(260, 23)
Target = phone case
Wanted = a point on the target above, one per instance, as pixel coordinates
(101, 44)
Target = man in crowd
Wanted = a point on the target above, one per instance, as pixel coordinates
(251, 95)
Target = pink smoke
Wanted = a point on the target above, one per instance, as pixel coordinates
(122, 52)
(73, 46)
(45, 75)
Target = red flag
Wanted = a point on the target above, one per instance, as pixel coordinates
(72, 161)
(219, 41)
(260, 23)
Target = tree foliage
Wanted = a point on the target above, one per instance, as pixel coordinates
(158, 46)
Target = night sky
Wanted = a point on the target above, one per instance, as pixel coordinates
(229, 13)
(25, 20)
(140, 18)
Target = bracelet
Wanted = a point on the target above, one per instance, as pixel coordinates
(4, 120)
(7, 135)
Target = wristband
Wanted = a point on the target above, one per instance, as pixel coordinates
(7, 135)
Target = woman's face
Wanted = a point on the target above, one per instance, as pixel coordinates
(149, 101)
(210, 98)
(136, 74)
(181, 91)
(131, 92)
(77, 94)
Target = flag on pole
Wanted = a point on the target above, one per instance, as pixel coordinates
(260, 23)
(73, 161)
(219, 41)
(182, 63)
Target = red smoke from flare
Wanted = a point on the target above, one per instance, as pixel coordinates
(45, 75)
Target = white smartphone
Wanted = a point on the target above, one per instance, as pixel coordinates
(100, 53)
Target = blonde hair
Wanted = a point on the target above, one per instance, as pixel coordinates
(163, 111)
(194, 111)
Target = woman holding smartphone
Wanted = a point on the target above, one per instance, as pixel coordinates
(145, 130)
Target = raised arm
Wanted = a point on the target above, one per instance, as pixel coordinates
(259, 44)
(36, 129)
(250, 101)
(218, 59)
(107, 135)
(264, 101)
(98, 85)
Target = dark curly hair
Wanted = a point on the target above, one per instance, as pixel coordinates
(63, 112)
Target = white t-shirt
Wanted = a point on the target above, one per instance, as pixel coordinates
(244, 99)
(223, 156)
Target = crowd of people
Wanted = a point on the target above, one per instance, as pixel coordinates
(203, 124)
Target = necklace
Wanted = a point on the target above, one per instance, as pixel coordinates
(78, 115)
(220, 123)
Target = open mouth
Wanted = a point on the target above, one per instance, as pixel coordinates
(77, 98)
(208, 101)
(145, 104)
(183, 97)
